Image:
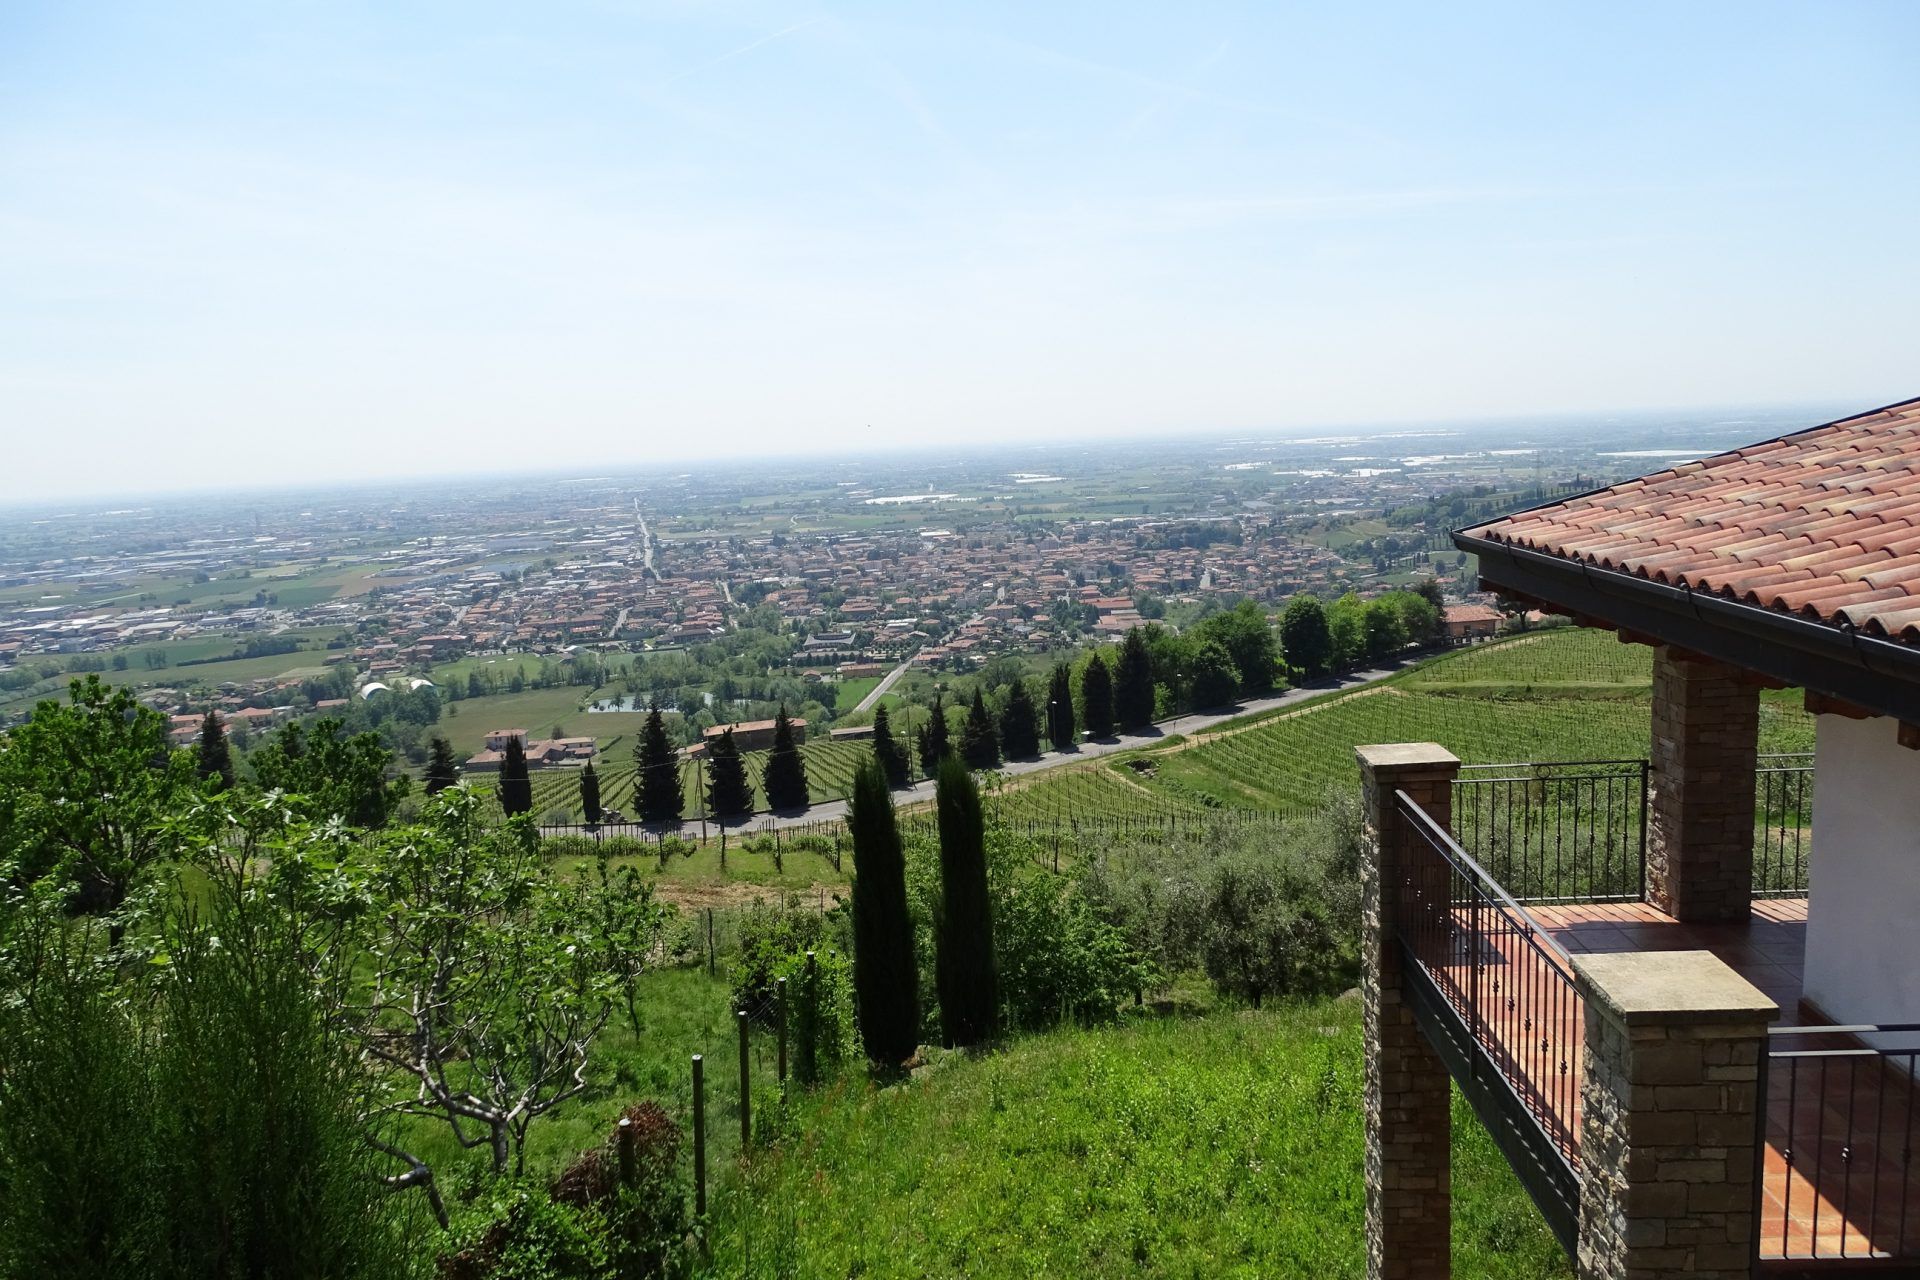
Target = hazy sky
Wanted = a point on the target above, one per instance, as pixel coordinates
(260, 241)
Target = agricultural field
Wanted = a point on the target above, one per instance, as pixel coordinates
(1571, 694)
(465, 723)
(556, 792)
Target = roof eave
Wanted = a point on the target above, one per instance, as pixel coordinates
(1841, 662)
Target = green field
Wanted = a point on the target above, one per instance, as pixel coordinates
(466, 723)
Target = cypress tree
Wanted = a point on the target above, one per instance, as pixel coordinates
(1019, 735)
(657, 793)
(443, 770)
(1060, 727)
(886, 979)
(979, 742)
(1133, 684)
(1096, 698)
(887, 751)
(516, 789)
(728, 795)
(216, 756)
(963, 965)
(785, 776)
(590, 795)
(933, 738)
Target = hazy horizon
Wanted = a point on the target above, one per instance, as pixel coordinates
(245, 249)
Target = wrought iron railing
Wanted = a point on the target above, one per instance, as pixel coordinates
(1837, 1181)
(1507, 981)
(1783, 822)
(1576, 831)
(1572, 831)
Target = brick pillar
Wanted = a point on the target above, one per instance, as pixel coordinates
(1706, 731)
(1669, 1116)
(1409, 1199)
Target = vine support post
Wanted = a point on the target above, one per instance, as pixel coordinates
(699, 1136)
(624, 1136)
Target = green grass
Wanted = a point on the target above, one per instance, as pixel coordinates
(1224, 1145)
(848, 693)
(537, 711)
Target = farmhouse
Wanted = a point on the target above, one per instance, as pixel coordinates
(748, 735)
(1470, 622)
(1681, 992)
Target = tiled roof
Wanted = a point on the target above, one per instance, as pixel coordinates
(1824, 523)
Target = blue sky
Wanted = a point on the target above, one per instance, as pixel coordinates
(260, 242)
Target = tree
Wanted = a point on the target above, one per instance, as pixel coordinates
(1347, 624)
(963, 926)
(86, 788)
(1060, 724)
(657, 793)
(482, 974)
(1305, 641)
(1096, 698)
(934, 744)
(886, 979)
(216, 757)
(516, 788)
(352, 779)
(728, 793)
(887, 751)
(443, 770)
(1019, 735)
(1211, 671)
(1386, 632)
(1247, 636)
(785, 775)
(979, 741)
(1133, 684)
(590, 795)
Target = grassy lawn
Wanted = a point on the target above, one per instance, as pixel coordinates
(1223, 1145)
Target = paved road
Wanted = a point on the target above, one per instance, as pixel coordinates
(886, 682)
(1198, 722)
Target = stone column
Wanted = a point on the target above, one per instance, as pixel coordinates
(1669, 1122)
(1706, 731)
(1409, 1198)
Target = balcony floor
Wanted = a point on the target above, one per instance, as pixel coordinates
(1868, 1203)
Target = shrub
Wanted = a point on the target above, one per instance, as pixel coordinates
(820, 1025)
(770, 936)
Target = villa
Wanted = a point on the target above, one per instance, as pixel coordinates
(1682, 993)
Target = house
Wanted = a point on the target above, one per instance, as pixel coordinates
(1467, 622)
(497, 739)
(1696, 1040)
(748, 735)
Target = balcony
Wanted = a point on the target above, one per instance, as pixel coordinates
(1512, 871)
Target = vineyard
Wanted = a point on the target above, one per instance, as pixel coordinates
(1561, 695)
(556, 792)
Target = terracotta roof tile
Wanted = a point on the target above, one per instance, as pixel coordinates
(1824, 522)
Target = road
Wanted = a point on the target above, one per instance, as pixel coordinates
(1198, 722)
(886, 682)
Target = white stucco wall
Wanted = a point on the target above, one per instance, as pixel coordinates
(1863, 917)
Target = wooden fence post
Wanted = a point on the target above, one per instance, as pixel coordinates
(624, 1134)
(746, 1089)
(699, 1136)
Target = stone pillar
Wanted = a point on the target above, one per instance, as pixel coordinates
(1706, 731)
(1409, 1198)
(1669, 1120)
